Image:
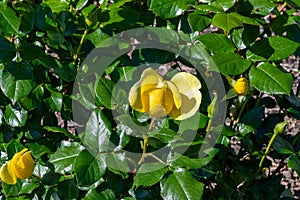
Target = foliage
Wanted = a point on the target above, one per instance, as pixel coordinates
(43, 46)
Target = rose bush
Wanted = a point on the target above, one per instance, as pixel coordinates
(148, 123)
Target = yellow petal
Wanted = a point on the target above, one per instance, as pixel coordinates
(7, 175)
(175, 93)
(241, 86)
(156, 98)
(160, 101)
(138, 94)
(25, 166)
(188, 86)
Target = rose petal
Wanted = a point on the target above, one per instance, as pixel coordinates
(188, 86)
(25, 166)
(175, 93)
(138, 94)
(7, 175)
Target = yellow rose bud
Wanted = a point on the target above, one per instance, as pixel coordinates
(241, 86)
(20, 166)
(179, 98)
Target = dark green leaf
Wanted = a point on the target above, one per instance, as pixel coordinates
(56, 129)
(9, 22)
(15, 117)
(294, 163)
(251, 120)
(97, 132)
(216, 43)
(181, 185)
(68, 189)
(89, 168)
(32, 100)
(170, 8)
(16, 81)
(269, 79)
(225, 4)
(197, 21)
(7, 50)
(272, 48)
(57, 6)
(55, 100)
(94, 194)
(65, 156)
(117, 163)
(229, 63)
(282, 146)
(31, 52)
(149, 174)
(262, 7)
(226, 21)
(104, 88)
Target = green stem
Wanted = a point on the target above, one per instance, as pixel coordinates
(242, 109)
(76, 55)
(267, 149)
(145, 142)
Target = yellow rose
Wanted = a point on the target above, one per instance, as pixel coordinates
(179, 98)
(20, 166)
(241, 86)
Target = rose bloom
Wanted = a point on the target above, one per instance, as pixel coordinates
(241, 86)
(179, 98)
(20, 166)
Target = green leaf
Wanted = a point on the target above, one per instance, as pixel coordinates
(15, 117)
(57, 5)
(81, 4)
(282, 146)
(116, 162)
(94, 194)
(225, 4)
(88, 168)
(65, 156)
(269, 79)
(55, 100)
(181, 185)
(104, 89)
(226, 21)
(16, 81)
(12, 190)
(272, 48)
(262, 7)
(229, 63)
(165, 135)
(97, 37)
(9, 22)
(294, 163)
(7, 50)
(68, 189)
(31, 52)
(216, 43)
(198, 21)
(32, 100)
(294, 3)
(170, 8)
(97, 132)
(251, 120)
(56, 129)
(149, 174)
(211, 8)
